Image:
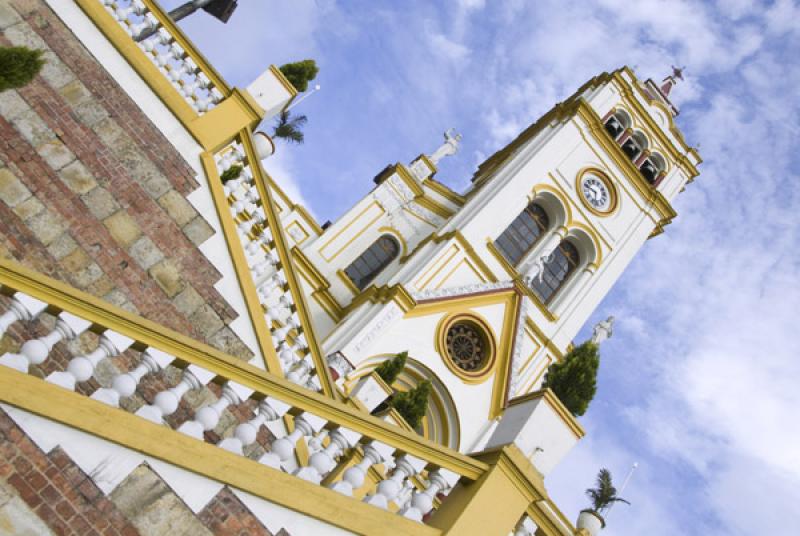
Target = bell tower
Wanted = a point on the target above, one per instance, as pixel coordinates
(487, 288)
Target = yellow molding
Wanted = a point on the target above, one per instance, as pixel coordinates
(419, 193)
(319, 283)
(411, 182)
(364, 229)
(518, 284)
(444, 191)
(394, 232)
(559, 355)
(434, 206)
(300, 209)
(72, 409)
(465, 245)
(440, 344)
(217, 127)
(149, 334)
(506, 349)
(348, 282)
(260, 179)
(243, 274)
(612, 191)
(550, 397)
(285, 83)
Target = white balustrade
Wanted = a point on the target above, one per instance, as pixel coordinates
(246, 432)
(81, 368)
(207, 417)
(406, 466)
(323, 461)
(354, 476)
(36, 351)
(166, 402)
(283, 449)
(125, 384)
(421, 502)
(21, 307)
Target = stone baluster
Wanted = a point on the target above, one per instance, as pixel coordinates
(405, 466)
(21, 307)
(148, 24)
(525, 527)
(354, 476)
(246, 433)
(300, 371)
(313, 383)
(81, 368)
(207, 417)
(185, 68)
(166, 402)
(276, 281)
(36, 351)
(323, 461)
(124, 385)
(288, 353)
(293, 322)
(422, 501)
(283, 449)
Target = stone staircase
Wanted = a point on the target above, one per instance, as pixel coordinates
(44, 493)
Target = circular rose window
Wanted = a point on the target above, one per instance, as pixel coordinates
(467, 347)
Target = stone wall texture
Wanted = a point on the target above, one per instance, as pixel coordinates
(92, 194)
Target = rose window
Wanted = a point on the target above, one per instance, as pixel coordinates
(466, 346)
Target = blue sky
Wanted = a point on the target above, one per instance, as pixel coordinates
(699, 382)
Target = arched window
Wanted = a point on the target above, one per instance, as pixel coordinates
(557, 270)
(634, 145)
(522, 234)
(370, 263)
(652, 167)
(617, 123)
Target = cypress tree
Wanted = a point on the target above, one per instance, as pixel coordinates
(413, 404)
(231, 173)
(300, 73)
(18, 66)
(574, 380)
(391, 368)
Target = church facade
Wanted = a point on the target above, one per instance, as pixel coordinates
(183, 354)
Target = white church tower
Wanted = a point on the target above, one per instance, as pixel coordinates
(486, 289)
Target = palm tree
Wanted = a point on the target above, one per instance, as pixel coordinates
(605, 494)
(288, 127)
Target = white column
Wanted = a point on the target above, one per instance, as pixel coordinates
(323, 461)
(207, 417)
(124, 385)
(354, 476)
(166, 402)
(81, 368)
(422, 501)
(246, 433)
(282, 449)
(405, 467)
(21, 307)
(36, 351)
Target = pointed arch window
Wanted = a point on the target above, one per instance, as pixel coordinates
(557, 269)
(523, 233)
(374, 259)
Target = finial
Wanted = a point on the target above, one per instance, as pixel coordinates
(603, 330)
(448, 148)
(670, 81)
(677, 72)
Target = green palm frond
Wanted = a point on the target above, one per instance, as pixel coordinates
(289, 127)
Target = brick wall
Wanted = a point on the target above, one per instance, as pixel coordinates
(94, 195)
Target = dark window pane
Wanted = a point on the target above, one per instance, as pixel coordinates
(523, 233)
(374, 259)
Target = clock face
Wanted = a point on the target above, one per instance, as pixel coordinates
(596, 193)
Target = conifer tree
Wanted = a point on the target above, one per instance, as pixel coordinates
(574, 380)
(391, 368)
(18, 66)
(231, 173)
(413, 404)
(300, 73)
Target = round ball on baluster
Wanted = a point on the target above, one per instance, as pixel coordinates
(422, 502)
(321, 462)
(286, 355)
(354, 476)
(246, 433)
(35, 351)
(124, 384)
(283, 448)
(207, 417)
(167, 402)
(81, 368)
(389, 488)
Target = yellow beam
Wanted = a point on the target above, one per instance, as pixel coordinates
(72, 409)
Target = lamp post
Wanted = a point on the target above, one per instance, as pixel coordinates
(219, 9)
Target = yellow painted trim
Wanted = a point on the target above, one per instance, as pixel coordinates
(395, 233)
(321, 293)
(517, 278)
(440, 343)
(434, 206)
(62, 297)
(612, 191)
(405, 175)
(83, 413)
(465, 245)
(285, 83)
(550, 397)
(557, 191)
(444, 191)
(364, 229)
(217, 127)
(442, 262)
(505, 350)
(297, 242)
(348, 282)
(557, 353)
(595, 238)
(419, 194)
(297, 207)
(260, 178)
(243, 274)
(463, 261)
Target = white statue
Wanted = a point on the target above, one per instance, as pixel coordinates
(603, 330)
(448, 148)
(536, 271)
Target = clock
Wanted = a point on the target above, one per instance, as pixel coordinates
(597, 193)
